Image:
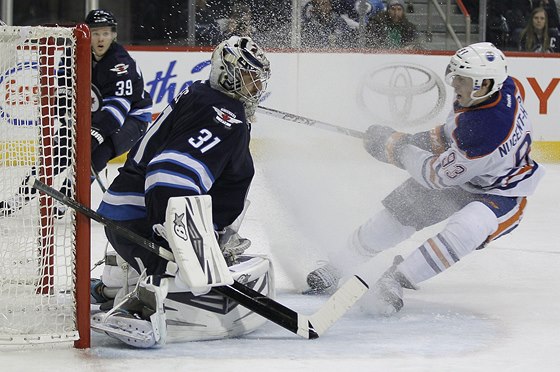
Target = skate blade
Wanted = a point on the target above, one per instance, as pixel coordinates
(132, 332)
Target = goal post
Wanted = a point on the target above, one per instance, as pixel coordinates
(45, 115)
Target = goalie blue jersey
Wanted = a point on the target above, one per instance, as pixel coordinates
(198, 145)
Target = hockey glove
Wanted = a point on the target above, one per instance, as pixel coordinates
(385, 144)
(232, 245)
(96, 139)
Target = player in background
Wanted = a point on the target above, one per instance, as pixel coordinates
(121, 108)
(475, 171)
(199, 145)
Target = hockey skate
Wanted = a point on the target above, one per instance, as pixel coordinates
(387, 294)
(139, 319)
(323, 280)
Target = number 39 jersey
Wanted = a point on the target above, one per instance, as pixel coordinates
(118, 85)
(198, 145)
(485, 148)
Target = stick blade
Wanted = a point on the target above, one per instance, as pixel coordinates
(337, 305)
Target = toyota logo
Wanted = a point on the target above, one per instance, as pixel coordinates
(401, 95)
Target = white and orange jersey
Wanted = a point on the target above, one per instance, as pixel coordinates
(483, 149)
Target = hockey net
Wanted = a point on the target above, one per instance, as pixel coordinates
(45, 75)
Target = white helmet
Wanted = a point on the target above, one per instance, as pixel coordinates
(479, 61)
(233, 58)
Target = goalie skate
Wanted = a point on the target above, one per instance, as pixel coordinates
(126, 328)
(139, 320)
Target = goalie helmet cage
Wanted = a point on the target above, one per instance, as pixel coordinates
(45, 116)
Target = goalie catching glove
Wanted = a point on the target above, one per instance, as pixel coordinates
(385, 144)
(232, 245)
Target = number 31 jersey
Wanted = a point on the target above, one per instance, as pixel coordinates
(198, 145)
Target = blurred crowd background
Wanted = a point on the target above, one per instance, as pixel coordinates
(525, 25)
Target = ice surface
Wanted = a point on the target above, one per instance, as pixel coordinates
(496, 310)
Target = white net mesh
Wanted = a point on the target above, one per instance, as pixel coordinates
(37, 247)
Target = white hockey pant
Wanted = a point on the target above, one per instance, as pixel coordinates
(380, 232)
(465, 231)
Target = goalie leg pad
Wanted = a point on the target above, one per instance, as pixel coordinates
(189, 230)
(213, 316)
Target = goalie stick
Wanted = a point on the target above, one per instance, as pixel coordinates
(306, 326)
(310, 122)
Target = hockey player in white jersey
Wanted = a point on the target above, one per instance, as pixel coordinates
(475, 171)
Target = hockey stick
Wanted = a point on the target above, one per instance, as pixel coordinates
(306, 326)
(310, 122)
(98, 179)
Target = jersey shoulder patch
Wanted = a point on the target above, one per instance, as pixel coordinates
(120, 69)
(119, 61)
(225, 117)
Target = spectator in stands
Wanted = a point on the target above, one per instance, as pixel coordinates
(517, 13)
(391, 29)
(537, 36)
(322, 27)
(551, 10)
(350, 11)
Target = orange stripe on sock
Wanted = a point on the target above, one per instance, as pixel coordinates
(438, 253)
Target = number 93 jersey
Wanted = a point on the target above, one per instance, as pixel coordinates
(485, 148)
(198, 145)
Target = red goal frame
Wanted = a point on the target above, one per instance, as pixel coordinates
(83, 185)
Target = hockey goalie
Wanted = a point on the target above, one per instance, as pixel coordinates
(144, 311)
(185, 179)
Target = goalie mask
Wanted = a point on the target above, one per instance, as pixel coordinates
(241, 70)
(479, 61)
